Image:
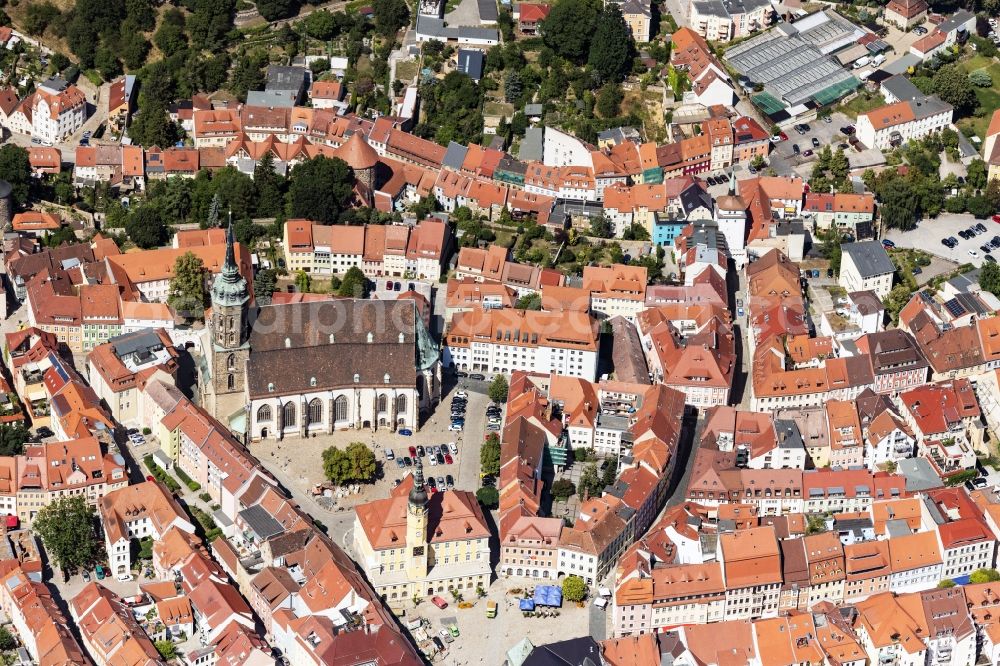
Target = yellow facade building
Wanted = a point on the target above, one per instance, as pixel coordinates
(414, 545)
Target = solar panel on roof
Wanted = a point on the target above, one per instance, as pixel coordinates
(955, 308)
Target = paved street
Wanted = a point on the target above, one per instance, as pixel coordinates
(928, 234)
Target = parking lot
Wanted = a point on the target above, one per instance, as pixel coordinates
(786, 162)
(928, 234)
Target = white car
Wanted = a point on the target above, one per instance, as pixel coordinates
(454, 427)
(973, 253)
(389, 455)
(453, 447)
(432, 460)
(461, 394)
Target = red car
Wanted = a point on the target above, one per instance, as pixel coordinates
(996, 218)
(448, 459)
(150, 478)
(439, 602)
(413, 452)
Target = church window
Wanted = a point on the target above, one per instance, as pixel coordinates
(340, 409)
(264, 413)
(401, 404)
(288, 411)
(383, 402)
(231, 362)
(315, 410)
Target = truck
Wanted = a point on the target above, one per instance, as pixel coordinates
(491, 609)
(878, 60)
(862, 62)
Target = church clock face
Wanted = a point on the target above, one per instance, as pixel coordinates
(420, 533)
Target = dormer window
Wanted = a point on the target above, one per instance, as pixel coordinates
(312, 381)
(270, 387)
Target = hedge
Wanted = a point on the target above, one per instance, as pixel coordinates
(160, 474)
(193, 485)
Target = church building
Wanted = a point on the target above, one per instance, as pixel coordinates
(316, 367)
(415, 545)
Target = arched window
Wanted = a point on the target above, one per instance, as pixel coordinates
(383, 402)
(231, 382)
(264, 413)
(288, 412)
(315, 410)
(401, 404)
(340, 409)
(231, 362)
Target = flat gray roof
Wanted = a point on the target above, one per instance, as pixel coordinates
(869, 257)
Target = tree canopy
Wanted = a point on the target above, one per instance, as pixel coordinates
(488, 496)
(12, 438)
(187, 288)
(611, 50)
(354, 284)
(574, 588)
(489, 455)
(390, 16)
(498, 389)
(452, 110)
(145, 227)
(15, 168)
(67, 530)
(320, 189)
(952, 85)
(569, 27)
(356, 463)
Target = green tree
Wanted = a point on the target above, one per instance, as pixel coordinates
(320, 25)
(532, 301)
(945, 584)
(489, 455)
(899, 202)
(66, 527)
(574, 589)
(980, 78)
(146, 548)
(390, 16)
(590, 481)
(600, 227)
(166, 648)
(248, 73)
(7, 640)
(133, 48)
(989, 277)
(354, 284)
(269, 187)
(953, 86)
(497, 391)
(187, 287)
(145, 227)
(488, 496)
(356, 463)
(265, 281)
(563, 489)
(15, 168)
(979, 206)
(896, 300)
(151, 126)
(12, 438)
(984, 576)
(170, 37)
(609, 100)
(452, 108)
(320, 189)
(611, 49)
(141, 15)
(569, 28)
(303, 282)
(38, 17)
(513, 87)
(273, 10)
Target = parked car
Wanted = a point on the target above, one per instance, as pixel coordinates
(981, 228)
(807, 153)
(815, 142)
(45, 431)
(440, 459)
(420, 452)
(990, 259)
(86, 576)
(455, 427)
(408, 461)
(448, 459)
(389, 455)
(888, 243)
(477, 377)
(400, 462)
(454, 447)
(101, 574)
(973, 253)
(450, 481)
(795, 148)
(413, 451)
(439, 602)
(405, 432)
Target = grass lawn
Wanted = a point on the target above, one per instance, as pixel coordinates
(406, 70)
(492, 108)
(864, 102)
(989, 98)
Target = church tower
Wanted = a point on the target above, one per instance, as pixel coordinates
(229, 325)
(416, 527)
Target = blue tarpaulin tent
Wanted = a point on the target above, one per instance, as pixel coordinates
(527, 605)
(548, 595)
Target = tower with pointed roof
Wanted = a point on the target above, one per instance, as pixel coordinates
(361, 157)
(416, 526)
(229, 324)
